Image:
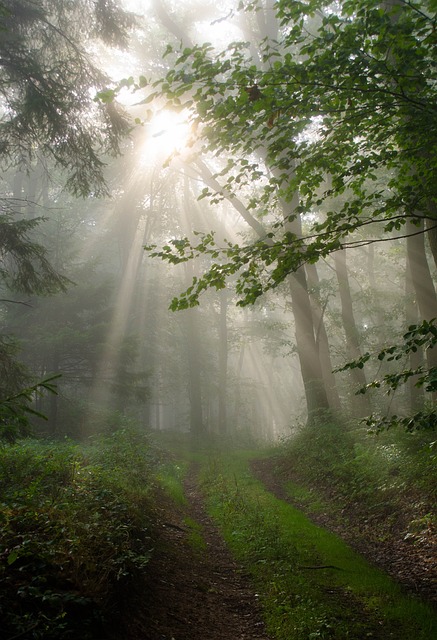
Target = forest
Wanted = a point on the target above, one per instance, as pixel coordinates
(218, 319)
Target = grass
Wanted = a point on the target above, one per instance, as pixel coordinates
(305, 496)
(281, 548)
(389, 479)
(75, 532)
(195, 537)
(169, 478)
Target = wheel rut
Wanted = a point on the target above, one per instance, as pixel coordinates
(195, 592)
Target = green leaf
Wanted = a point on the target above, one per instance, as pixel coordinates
(107, 96)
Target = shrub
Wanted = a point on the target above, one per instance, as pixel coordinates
(73, 535)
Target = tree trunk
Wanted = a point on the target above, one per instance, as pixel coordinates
(416, 395)
(223, 362)
(237, 411)
(431, 228)
(194, 377)
(353, 348)
(422, 281)
(306, 345)
(193, 344)
(53, 406)
(322, 341)
(315, 392)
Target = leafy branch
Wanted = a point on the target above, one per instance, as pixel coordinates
(16, 410)
(424, 336)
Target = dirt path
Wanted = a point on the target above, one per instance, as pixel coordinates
(199, 592)
(195, 594)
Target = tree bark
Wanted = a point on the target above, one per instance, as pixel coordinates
(416, 395)
(194, 373)
(353, 348)
(315, 392)
(322, 342)
(223, 363)
(422, 281)
(193, 344)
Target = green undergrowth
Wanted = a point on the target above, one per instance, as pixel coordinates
(390, 478)
(195, 535)
(169, 477)
(74, 534)
(310, 583)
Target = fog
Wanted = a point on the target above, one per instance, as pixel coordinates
(249, 371)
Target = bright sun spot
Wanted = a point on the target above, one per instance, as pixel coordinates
(168, 132)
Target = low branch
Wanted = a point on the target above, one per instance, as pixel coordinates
(26, 304)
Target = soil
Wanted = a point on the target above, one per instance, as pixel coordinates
(199, 592)
(194, 594)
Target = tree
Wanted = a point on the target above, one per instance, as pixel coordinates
(337, 105)
(48, 118)
(341, 104)
(47, 87)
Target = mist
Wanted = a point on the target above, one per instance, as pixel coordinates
(218, 319)
(241, 333)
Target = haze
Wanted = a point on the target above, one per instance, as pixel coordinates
(184, 169)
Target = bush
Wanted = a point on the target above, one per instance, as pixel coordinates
(73, 535)
(382, 472)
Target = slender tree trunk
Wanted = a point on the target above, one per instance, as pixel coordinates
(315, 392)
(431, 227)
(376, 311)
(422, 282)
(223, 362)
(305, 323)
(193, 343)
(53, 406)
(322, 342)
(353, 348)
(306, 345)
(237, 412)
(416, 395)
(194, 372)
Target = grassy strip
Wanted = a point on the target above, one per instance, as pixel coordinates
(195, 535)
(312, 585)
(74, 534)
(170, 477)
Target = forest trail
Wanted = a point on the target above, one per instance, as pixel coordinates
(196, 590)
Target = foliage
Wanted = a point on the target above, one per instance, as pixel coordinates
(49, 119)
(126, 455)
(342, 103)
(17, 393)
(323, 126)
(24, 266)
(249, 263)
(46, 83)
(387, 478)
(75, 536)
(15, 410)
(423, 336)
(13, 375)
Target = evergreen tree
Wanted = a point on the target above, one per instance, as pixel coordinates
(49, 119)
